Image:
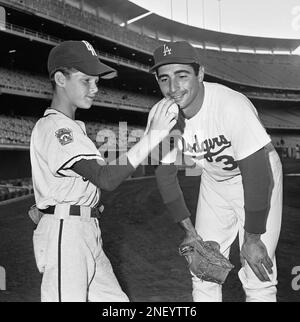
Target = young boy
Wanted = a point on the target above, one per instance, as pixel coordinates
(67, 172)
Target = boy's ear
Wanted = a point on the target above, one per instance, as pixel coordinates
(60, 79)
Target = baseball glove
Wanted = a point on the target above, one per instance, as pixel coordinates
(205, 260)
(34, 214)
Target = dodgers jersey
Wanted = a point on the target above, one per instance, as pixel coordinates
(226, 129)
(57, 142)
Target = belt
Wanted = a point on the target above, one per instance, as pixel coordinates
(75, 211)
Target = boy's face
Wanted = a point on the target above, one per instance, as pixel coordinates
(81, 89)
(179, 81)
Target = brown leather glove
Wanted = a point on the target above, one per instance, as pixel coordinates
(205, 260)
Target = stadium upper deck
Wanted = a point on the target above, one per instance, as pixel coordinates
(268, 71)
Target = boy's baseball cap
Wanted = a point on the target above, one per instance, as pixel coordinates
(79, 55)
(178, 52)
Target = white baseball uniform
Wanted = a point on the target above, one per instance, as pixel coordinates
(68, 248)
(227, 129)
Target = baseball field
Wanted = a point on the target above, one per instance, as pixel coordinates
(142, 245)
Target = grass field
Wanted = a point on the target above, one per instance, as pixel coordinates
(142, 245)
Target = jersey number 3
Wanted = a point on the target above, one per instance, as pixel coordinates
(228, 161)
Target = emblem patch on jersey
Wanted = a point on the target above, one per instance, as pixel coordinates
(65, 136)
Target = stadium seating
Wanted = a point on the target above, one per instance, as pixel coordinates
(13, 188)
(68, 14)
(17, 131)
(259, 70)
(280, 118)
(24, 81)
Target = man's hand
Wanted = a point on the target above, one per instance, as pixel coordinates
(205, 259)
(190, 237)
(255, 253)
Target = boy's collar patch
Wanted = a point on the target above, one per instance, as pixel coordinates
(64, 136)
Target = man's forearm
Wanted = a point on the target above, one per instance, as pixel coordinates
(187, 225)
(169, 188)
(257, 182)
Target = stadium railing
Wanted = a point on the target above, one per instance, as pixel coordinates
(29, 33)
(65, 13)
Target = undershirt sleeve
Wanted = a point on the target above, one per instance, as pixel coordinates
(107, 177)
(169, 188)
(257, 183)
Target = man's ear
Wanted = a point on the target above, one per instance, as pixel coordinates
(201, 74)
(60, 79)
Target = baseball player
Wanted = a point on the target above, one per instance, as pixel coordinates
(68, 171)
(241, 180)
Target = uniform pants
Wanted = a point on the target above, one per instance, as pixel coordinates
(221, 216)
(75, 268)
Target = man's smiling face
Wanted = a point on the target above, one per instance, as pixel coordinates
(180, 82)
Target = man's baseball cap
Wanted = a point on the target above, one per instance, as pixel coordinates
(178, 52)
(79, 55)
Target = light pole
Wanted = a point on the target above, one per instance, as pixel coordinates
(203, 15)
(220, 28)
(187, 11)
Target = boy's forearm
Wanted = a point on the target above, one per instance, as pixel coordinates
(140, 151)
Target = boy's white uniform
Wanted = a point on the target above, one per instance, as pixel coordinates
(68, 248)
(227, 129)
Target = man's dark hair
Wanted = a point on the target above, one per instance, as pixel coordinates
(196, 68)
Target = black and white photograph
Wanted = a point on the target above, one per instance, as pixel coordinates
(149, 153)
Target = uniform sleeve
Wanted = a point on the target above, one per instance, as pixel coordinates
(242, 123)
(107, 177)
(171, 193)
(65, 144)
(257, 183)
